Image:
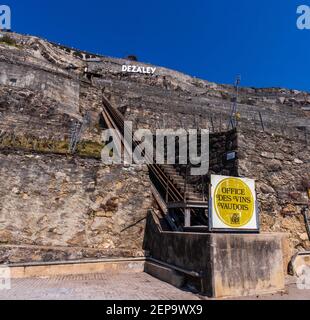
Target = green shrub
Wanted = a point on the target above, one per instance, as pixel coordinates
(8, 40)
(90, 149)
(85, 148)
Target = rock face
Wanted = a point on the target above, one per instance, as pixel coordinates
(51, 201)
(281, 181)
(58, 206)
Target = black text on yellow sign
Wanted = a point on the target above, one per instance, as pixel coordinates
(234, 202)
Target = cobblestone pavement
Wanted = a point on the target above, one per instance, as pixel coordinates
(134, 286)
(122, 286)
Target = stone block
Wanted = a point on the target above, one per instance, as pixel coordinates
(230, 265)
(268, 155)
(165, 274)
(274, 165)
(244, 264)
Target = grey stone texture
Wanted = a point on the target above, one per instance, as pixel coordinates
(52, 202)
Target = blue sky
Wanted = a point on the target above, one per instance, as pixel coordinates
(210, 39)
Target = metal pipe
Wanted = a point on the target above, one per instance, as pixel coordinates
(68, 262)
(303, 253)
(171, 266)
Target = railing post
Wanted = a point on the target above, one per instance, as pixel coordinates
(185, 183)
(261, 120)
(187, 218)
(203, 188)
(167, 190)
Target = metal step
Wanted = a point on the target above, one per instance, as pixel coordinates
(179, 181)
(171, 171)
(192, 196)
(188, 189)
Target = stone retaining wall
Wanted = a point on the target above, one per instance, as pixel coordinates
(56, 202)
(281, 168)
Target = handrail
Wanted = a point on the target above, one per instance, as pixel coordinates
(157, 171)
(116, 120)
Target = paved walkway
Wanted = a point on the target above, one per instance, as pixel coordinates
(291, 293)
(136, 286)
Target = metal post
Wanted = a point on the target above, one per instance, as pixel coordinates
(261, 120)
(185, 183)
(203, 188)
(221, 122)
(232, 120)
(212, 123)
(167, 190)
(187, 217)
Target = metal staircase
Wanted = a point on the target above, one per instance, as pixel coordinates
(189, 192)
(179, 202)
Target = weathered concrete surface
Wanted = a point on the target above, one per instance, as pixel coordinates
(230, 264)
(244, 264)
(92, 267)
(164, 274)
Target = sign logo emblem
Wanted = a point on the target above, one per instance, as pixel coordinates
(234, 202)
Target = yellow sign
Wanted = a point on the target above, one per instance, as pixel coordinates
(233, 203)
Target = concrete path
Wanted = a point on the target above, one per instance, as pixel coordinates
(291, 293)
(136, 286)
